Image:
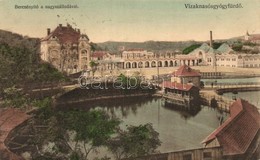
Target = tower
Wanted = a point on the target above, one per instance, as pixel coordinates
(211, 39)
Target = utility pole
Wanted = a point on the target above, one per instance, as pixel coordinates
(157, 68)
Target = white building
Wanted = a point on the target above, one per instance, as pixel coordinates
(139, 58)
(66, 49)
(224, 56)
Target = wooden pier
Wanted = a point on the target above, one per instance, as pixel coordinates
(223, 103)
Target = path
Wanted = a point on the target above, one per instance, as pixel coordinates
(9, 119)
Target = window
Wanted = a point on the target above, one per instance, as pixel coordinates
(187, 157)
(207, 156)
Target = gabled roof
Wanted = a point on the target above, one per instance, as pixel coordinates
(99, 54)
(178, 86)
(224, 48)
(205, 47)
(237, 133)
(65, 34)
(185, 71)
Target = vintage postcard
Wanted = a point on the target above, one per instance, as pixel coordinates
(129, 79)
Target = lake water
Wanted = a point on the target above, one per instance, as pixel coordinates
(252, 97)
(233, 80)
(177, 129)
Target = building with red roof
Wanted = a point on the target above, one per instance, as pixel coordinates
(239, 135)
(186, 75)
(183, 89)
(66, 49)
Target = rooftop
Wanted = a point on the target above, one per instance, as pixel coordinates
(99, 54)
(237, 133)
(185, 71)
(178, 86)
(65, 34)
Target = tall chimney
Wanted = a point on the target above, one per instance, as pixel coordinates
(48, 31)
(60, 25)
(211, 40)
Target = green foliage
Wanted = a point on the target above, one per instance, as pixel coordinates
(45, 108)
(47, 73)
(191, 48)
(113, 47)
(129, 80)
(20, 62)
(95, 47)
(237, 46)
(15, 97)
(44, 103)
(74, 156)
(135, 141)
(248, 43)
(93, 128)
(93, 66)
(216, 45)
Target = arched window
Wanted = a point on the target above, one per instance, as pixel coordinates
(140, 65)
(134, 65)
(166, 64)
(147, 64)
(153, 64)
(128, 65)
(171, 63)
(159, 63)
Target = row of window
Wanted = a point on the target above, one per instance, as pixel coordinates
(227, 59)
(206, 156)
(226, 65)
(252, 59)
(252, 65)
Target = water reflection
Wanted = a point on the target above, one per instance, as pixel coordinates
(184, 112)
(126, 106)
(178, 129)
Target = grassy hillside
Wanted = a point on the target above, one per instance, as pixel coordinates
(20, 62)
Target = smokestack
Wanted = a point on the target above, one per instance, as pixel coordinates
(60, 25)
(48, 31)
(211, 40)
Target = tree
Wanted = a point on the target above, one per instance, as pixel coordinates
(93, 66)
(92, 129)
(14, 97)
(191, 48)
(237, 46)
(134, 141)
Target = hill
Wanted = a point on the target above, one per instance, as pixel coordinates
(21, 64)
(17, 40)
(155, 46)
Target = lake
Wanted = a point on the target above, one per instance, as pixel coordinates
(177, 129)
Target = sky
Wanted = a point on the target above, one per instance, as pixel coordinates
(134, 20)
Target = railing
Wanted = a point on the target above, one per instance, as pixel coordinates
(213, 153)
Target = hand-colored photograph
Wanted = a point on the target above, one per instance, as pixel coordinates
(129, 80)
